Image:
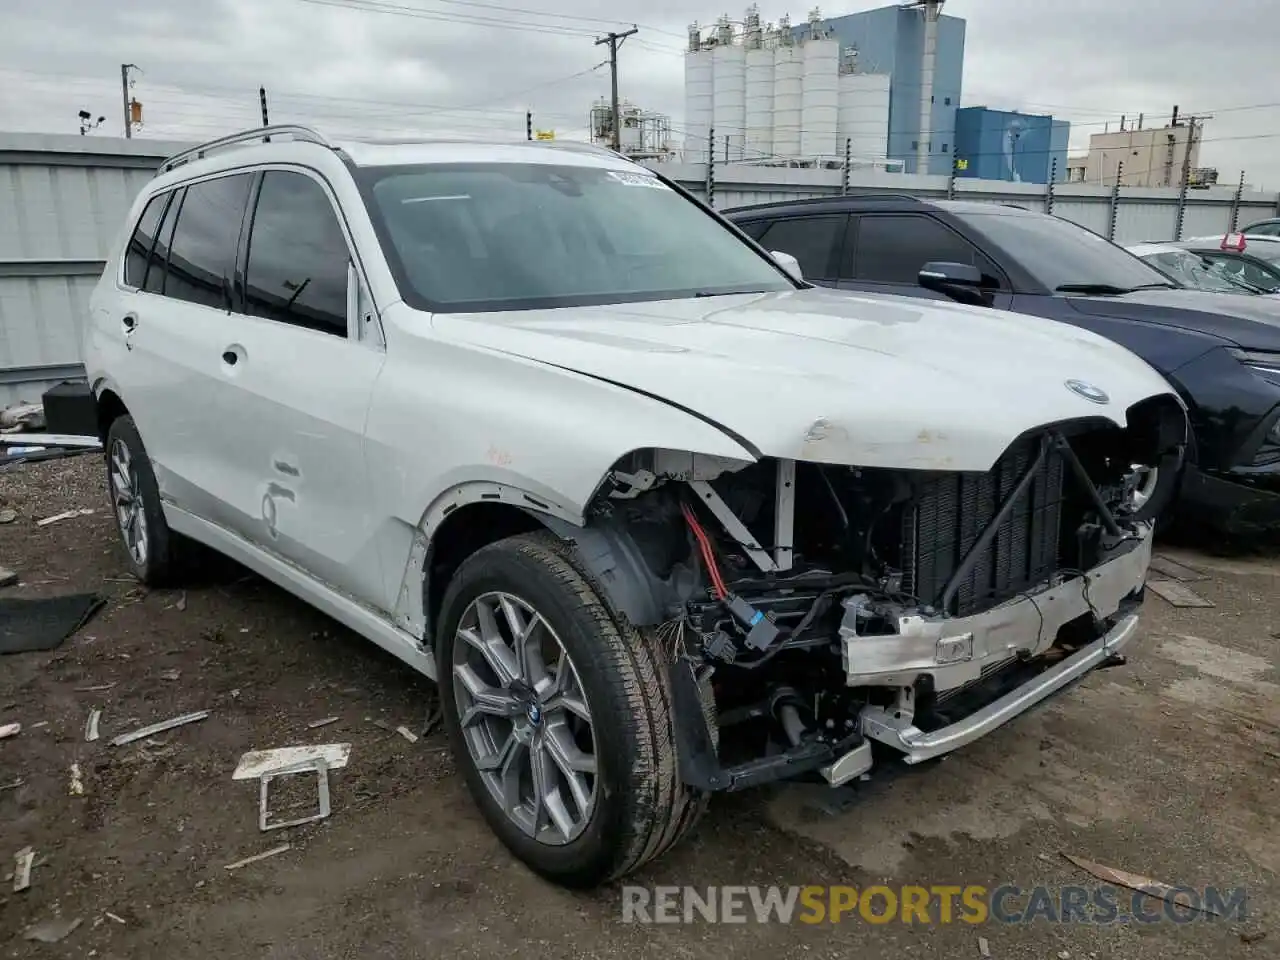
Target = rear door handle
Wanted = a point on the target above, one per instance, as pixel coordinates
(229, 357)
(130, 323)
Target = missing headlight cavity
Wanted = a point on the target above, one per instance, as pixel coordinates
(844, 591)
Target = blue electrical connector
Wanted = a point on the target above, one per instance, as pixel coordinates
(760, 629)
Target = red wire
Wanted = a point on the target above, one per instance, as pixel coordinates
(708, 555)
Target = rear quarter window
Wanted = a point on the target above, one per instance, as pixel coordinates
(142, 240)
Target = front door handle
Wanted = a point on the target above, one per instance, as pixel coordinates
(130, 323)
(229, 357)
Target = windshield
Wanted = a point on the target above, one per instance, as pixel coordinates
(492, 236)
(1267, 252)
(1198, 273)
(1058, 253)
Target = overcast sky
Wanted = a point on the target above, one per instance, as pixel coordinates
(471, 69)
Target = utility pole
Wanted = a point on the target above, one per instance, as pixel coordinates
(528, 124)
(262, 102)
(1186, 173)
(124, 97)
(614, 40)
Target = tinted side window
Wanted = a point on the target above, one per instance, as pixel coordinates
(892, 249)
(202, 257)
(297, 269)
(1268, 228)
(144, 237)
(814, 241)
(158, 260)
(754, 228)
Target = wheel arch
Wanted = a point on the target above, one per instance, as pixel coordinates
(110, 408)
(473, 515)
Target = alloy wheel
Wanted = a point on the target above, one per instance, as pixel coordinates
(126, 497)
(524, 717)
(1145, 488)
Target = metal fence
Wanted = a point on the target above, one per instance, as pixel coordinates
(63, 200)
(1125, 214)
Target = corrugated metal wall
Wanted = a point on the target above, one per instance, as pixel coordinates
(62, 202)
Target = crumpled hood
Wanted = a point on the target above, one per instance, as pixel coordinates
(1246, 321)
(829, 377)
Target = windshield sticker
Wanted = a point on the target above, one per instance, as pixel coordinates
(637, 180)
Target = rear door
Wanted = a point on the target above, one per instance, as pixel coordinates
(298, 373)
(884, 252)
(171, 322)
(815, 240)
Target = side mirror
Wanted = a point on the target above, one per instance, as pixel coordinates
(788, 263)
(961, 282)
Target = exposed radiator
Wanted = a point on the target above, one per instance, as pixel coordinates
(952, 511)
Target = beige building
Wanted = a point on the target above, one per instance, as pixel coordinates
(1152, 157)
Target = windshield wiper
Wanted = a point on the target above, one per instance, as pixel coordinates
(1156, 286)
(1095, 289)
(725, 293)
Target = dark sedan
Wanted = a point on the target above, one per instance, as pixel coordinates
(1221, 352)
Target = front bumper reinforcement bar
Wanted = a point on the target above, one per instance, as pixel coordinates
(917, 745)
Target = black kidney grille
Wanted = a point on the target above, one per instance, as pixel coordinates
(952, 511)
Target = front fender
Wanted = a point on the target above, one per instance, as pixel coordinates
(446, 419)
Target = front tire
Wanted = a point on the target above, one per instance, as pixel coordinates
(150, 546)
(559, 715)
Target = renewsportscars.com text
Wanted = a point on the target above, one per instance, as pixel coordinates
(935, 904)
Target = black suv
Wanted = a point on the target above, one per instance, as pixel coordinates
(1221, 352)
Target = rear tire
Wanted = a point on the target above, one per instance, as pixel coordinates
(152, 549)
(635, 804)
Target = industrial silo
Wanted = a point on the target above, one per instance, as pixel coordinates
(759, 89)
(729, 100)
(863, 117)
(699, 86)
(788, 94)
(820, 101)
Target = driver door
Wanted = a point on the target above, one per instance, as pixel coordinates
(298, 373)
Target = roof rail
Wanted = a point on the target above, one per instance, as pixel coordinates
(828, 198)
(884, 196)
(577, 146)
(293, 131)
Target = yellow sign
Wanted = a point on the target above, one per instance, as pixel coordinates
(545, 135)
(962, 164)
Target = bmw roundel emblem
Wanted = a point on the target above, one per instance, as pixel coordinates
(1088, 391)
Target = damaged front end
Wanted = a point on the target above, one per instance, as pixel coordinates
(826, 607)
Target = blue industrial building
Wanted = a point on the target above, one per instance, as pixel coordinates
(891, 40)
(1006, 145)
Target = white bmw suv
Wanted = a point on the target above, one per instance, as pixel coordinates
(549, 430)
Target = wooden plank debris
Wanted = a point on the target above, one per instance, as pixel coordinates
(1176, 593)
(1171, 569)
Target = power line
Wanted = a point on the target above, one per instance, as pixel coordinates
(184, 89)
(503, 8)
(443, 16)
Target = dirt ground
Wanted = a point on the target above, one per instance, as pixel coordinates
(1168, 767)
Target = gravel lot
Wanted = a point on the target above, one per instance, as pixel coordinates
(1168, 767)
